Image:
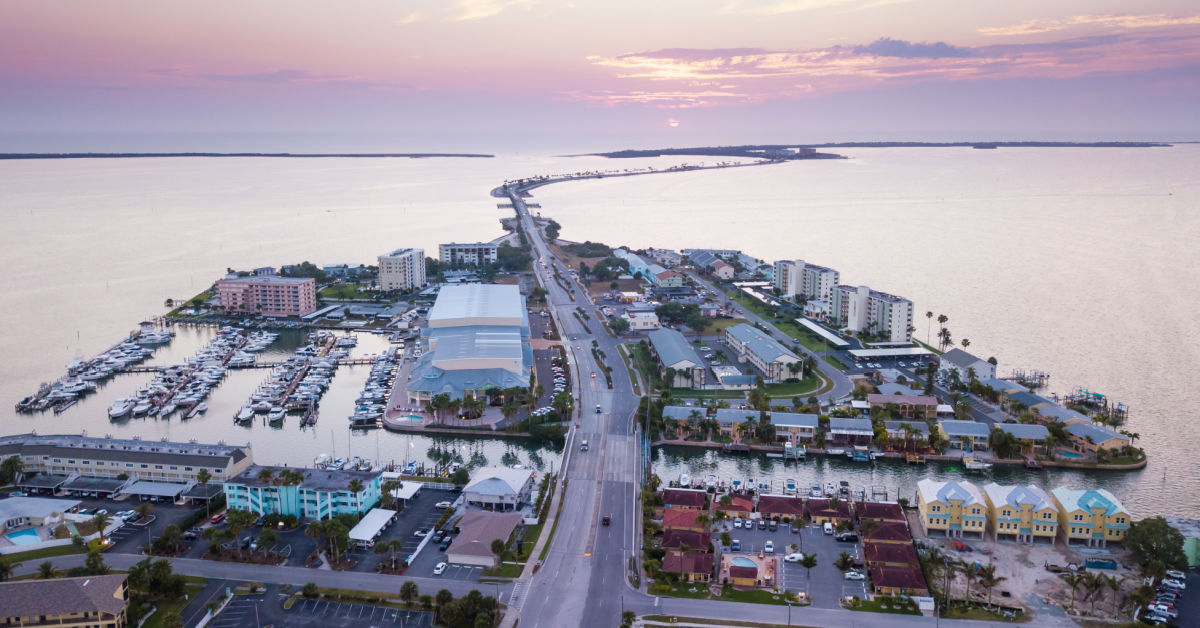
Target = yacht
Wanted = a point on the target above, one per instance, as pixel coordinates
(789, 487)
(276, 414)
(815, 491)
(322, 461)
(167, 409)
(830, 489)
(245, 414)
(710, 481)
(262, 406)
(685, 480)
(141, 407)
(973, 464)
(836, 452)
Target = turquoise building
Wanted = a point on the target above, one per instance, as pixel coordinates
(321, 493)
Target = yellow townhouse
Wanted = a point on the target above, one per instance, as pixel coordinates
(1094, 516)
(1025, 513)
(953, 508)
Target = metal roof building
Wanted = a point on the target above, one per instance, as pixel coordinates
(1023, 431)
(478, 304)
(674, 350)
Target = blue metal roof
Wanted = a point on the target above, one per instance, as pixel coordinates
(672, 348)
(759, 343)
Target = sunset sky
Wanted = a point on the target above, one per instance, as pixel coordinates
(495, 74)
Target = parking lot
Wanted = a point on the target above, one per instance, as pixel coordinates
(131, 538)
(326, 613)
(420, 514)
(826, 584)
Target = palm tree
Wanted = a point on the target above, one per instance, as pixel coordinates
(808, 561)
(1094, 582)
(1073, 580)
(172, 537)
(928, 325)
(1113, 583)
(143, 510)
(844, 562)
(266, 475)
(966, 342)
(968, 571)
(989, 579)
(6, 569)
(202, 478)
(409, 592)
(868, 526)
(356, 487)
(46, 570)
(235, 522)
(101, 521)
(392, 546)
(703, 519)
(12, 467)
(443, 597)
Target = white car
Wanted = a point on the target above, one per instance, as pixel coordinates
(854, 575)
(442, 505)
(1162, 610)
(439, 569)
(793, 558)
(737, 523)
(1178, 575)
(769, 548)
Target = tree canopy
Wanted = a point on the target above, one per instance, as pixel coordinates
(1156, 545)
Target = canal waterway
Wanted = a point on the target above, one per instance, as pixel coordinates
(1080, 262)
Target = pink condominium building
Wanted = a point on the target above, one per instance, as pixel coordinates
(268, 296)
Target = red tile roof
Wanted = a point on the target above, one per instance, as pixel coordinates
(879, 510)
(821, 507)
(680, 518)
(690, 538)
(909, 578)
(770, 505)
(889, 531)
(684, 497)
(736, 571)
(688, 562)
(895, 553)
(740, 503)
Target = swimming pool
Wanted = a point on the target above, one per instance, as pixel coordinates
(742, 561)
(412, 417)
(28, 536)
(1070, 454)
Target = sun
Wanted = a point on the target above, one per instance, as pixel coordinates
(672, 122)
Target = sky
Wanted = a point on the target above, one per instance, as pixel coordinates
(530, 75)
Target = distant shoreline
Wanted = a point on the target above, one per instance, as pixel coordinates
(300, 155)
(756, 150)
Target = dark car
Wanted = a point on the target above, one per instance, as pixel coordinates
(847, 537)
(762, 524)
(446, 543)
(773, 525)
(438, 536)
(606, 520)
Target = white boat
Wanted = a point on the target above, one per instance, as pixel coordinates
(972, 464)
(167, 409)
(245, 414)
(710, 480)
(836, 452)
(202, 406)
(276, 415)
(121, 407)
(815, 491)
(142, 407)
(789, 487)
(685, 480)
(322, 461)
(830, 489)
(262, 406)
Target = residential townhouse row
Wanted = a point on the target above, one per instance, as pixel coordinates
(1025, 514)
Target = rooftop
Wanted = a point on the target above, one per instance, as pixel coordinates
(673, 349)
(911, 578)
(1019, 496)
(1002, 385)
(960, 358)
(889, 531)
(687, 562)
(685, 497)
(61, 596)
(1098, 433)
(498, 481)
(1092, 499)
(897, 427)
(1024, 431)
(840, 425)
(729, 416)
(880, 511)
(452, 345)
(889, 388)
(477, 530)
(793, 419)
(33, 507)
(780, 504)
(690, 538)
(1059, 413)
(316, 479)
(680, 518)
(682, 412)
(945, 492)
(907, 400)
(477, 304)
(899, 553)
(270, 279)
(1029, 399)
(760, 343)
(954, 427)
(121, 449)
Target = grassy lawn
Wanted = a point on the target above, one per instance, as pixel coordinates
(811, 340)
(529, 538)
(682, 590)
(719, 325)
(344, 291)
(671, 619)
(633, 380)
(553, 528)
(756, 596)
(835, 362)
(167, 608)
(199, 298)
(39, 554)
(505, 570)
(692, 393)
(791, 389)
(896, 606)
(975, 612)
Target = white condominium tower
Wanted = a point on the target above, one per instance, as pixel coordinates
(402, 269)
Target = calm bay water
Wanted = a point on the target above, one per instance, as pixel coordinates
(1080, 262)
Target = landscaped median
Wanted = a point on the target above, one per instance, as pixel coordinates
(884, 604)
(700, 591)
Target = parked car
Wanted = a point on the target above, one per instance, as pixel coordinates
(847, 537)
(769, 548)
(737, 523)
(191, 535)
(439, 569)
(735, 546)
(446, 543)
(1171, 573)
(793, 558)
(18, 494)
(217, 518)
(773, 525)
(442, 505)
(438, 536)
(762, 524)
(854, 575)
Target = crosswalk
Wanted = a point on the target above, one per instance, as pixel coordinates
(516, 599)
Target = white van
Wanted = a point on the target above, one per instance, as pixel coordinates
(828, 527)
